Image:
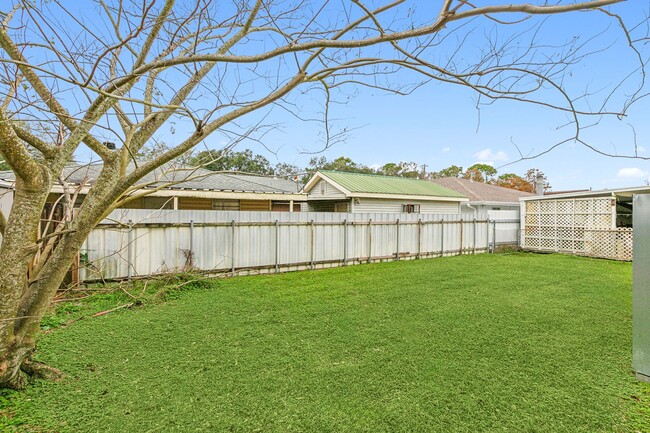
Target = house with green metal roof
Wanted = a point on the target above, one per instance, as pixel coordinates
(336, 191)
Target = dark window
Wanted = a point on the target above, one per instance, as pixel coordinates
(411, 208)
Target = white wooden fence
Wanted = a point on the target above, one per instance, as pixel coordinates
(140, 242)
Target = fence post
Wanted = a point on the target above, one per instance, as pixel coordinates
(419, 238)
(487, 234)
(312, 244)
(191, 252)
(345, 242)
(232, 249)
(461, 238)
(369, 240)
(129, 254)
(397, 227)
(277, 246)
(442, 237)
(474, 236)
(494, 236)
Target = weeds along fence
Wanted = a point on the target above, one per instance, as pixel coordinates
(132, 243)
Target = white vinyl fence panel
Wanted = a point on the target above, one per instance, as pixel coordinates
(507, 225)
(138, 242)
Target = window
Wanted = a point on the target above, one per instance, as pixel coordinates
(341, 207)
(225, 204)
(282, 206)
(322, 187)
(411, 208)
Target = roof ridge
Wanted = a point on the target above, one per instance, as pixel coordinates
(372, 175)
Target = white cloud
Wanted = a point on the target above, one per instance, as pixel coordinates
(632, 173)
(488, 155)
(446, 149)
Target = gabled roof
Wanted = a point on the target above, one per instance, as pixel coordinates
(371, 185)
(482, 192)
(182, 178)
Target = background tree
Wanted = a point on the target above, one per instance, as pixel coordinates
(480, 173)
(401, 169)
(451, 171)
(244, 161)
(342, 163)
(513, 181)
(287, 170)
(128, 72)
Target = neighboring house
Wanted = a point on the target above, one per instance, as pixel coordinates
(183, 188)
(335, 191)
(482, 196)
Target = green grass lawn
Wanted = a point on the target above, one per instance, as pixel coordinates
(515, 342)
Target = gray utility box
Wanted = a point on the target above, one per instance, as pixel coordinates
(641, 288)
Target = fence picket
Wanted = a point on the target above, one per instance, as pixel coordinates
(245, 242)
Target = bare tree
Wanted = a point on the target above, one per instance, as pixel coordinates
(130, 72)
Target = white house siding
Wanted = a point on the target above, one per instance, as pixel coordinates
(330, 191)
(6, 200)
(466, 210)
(364, 205)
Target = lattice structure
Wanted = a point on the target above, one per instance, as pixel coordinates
(577, 226)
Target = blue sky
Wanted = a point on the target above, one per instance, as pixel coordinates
(440, 125)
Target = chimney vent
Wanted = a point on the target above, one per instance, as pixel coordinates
(539, 183)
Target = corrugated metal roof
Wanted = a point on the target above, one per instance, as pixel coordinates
(183, 178)
(375, 184)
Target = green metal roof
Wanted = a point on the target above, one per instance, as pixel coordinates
(375, 184)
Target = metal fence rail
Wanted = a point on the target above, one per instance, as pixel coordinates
(139, 243)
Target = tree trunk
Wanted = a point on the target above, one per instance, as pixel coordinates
(25, 300)
(17, 250)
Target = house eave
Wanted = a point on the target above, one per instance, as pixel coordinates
(494, 203)
(408, 197)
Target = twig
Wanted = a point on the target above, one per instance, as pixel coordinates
(101, 313)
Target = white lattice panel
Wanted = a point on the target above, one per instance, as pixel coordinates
(602, 205)
(532, 207)
(565, 220)
(602, 221)
(582, 220)
(535, 232)
(577, 226)
(583, 206)
(624, 244)
(532, 219)
(547, 206)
